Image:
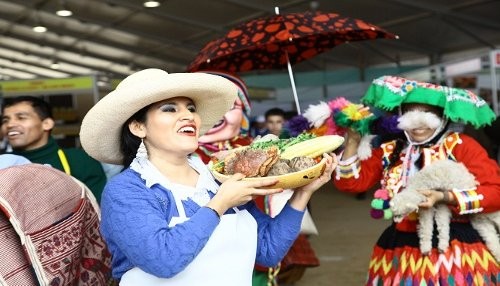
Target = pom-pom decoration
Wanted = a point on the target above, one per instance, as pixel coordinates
(317, 114)
(376, 214)
(379, 214)
(380, 205)
(388, 214)
(297, 125)
(332, 118)
(389, 124)
(355, 116)
(381, 194)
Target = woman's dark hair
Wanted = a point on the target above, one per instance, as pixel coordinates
(431, 108)
(394, 157)
(129, 143)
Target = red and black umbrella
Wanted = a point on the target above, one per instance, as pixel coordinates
(283, 39)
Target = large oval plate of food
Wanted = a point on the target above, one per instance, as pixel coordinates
(294, 162)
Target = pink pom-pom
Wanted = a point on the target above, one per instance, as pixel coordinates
(381, 194)
(338, 103)
(376, 214)
(332, 128)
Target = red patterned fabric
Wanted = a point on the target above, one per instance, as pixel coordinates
(14, 267)
(263, 43)
(52, 233)
(300, 254)
(464, 264)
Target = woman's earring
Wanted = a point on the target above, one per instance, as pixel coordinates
(142, 152)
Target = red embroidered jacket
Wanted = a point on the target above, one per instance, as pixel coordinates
(359, 176)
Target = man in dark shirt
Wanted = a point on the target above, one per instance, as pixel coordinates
(27, 123)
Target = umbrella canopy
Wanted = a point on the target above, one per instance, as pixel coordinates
(274, 42)
(459, 105)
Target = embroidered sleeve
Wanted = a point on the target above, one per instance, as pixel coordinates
(468, 201)
(355, 176)
(348, 168)
(485, 170)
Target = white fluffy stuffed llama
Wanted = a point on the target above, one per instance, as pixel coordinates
(443, 175)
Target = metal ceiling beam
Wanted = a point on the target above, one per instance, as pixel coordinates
(437, 9)
(431, 11)
(7, 71)
(22, 17)
(91, 38)
(78, 36)
(60, 47)
(262, 12)
(160, 45)
(329, 59)
(404, 20)
(76, 63)
(410, 46)
(136, 32)
(166, 16)
(34, 74)
(36, 65)
(378, 51)
(465, 31)
(265, 9)
(250, 5)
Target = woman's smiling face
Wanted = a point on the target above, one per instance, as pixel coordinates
(172, 126)
(420, 121)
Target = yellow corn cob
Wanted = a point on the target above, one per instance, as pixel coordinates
(313, 147)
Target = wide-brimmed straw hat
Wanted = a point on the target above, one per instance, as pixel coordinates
(101, 127)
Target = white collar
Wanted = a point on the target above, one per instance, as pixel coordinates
(151, 175)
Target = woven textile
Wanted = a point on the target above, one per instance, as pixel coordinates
(397, 260)
(14, 267)
(50, 229)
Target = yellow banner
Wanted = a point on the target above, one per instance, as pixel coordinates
(15, 87)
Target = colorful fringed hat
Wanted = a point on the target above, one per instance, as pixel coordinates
(459, 105)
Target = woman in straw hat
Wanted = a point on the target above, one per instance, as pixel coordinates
(165, 219)
(425, 110)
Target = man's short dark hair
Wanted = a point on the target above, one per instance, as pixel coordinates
(275, 112)
(41, 107)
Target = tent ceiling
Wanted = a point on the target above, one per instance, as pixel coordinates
(116, 37)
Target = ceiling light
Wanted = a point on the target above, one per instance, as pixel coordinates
(64, 12)
(151, 4)
(39, 28)
(54, 65)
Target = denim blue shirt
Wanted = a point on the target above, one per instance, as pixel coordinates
(135, 221)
